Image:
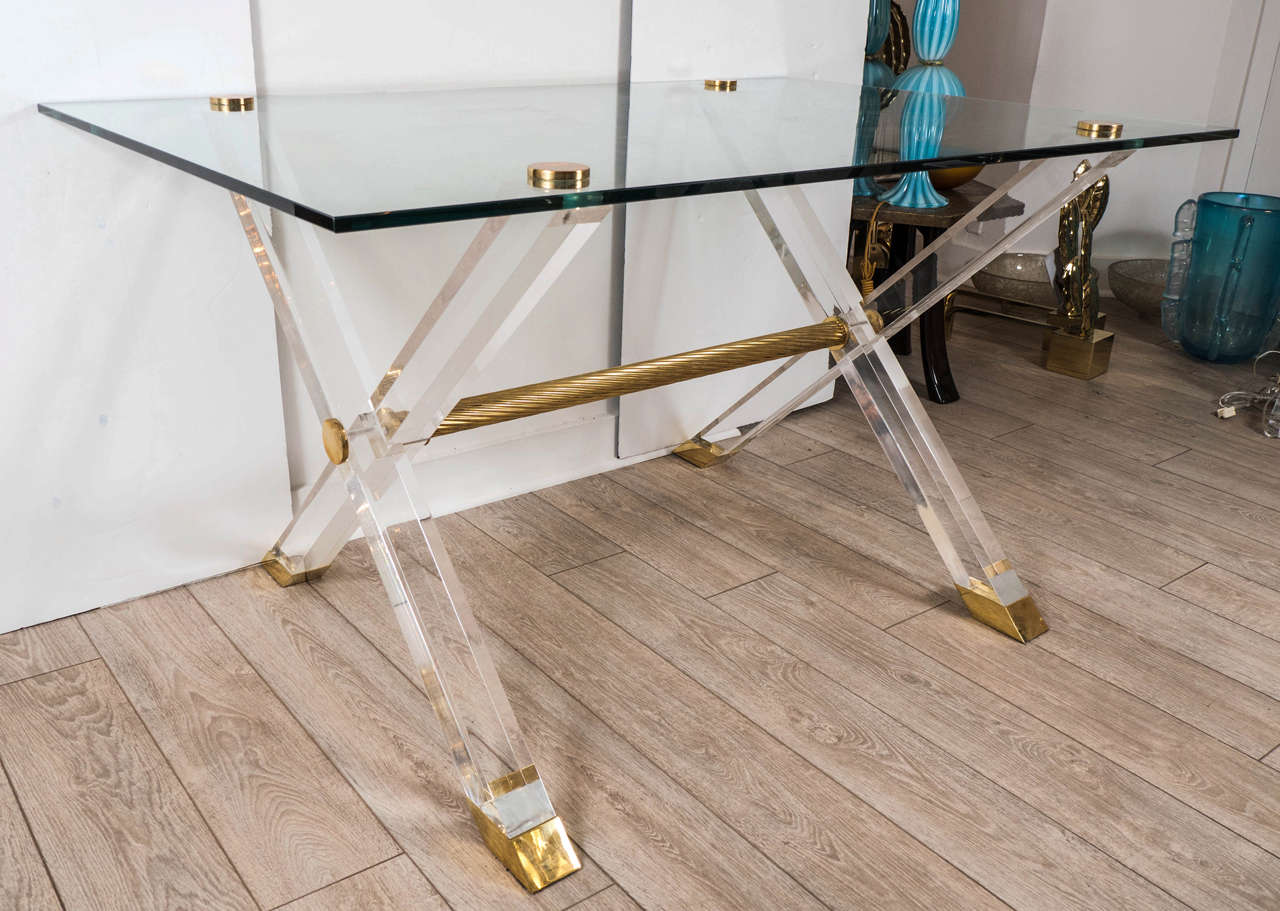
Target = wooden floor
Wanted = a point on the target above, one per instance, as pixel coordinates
(747, 687)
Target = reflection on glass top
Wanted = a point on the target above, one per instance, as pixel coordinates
(361, 161)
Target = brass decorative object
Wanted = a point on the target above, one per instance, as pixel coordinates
(552, 395)
(897, 47)
(334, 436)
(231, 103)
(558, 175)
(720, 85)
(1099, 129)
(1077, 347)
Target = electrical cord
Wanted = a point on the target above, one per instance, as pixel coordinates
(1267, 398)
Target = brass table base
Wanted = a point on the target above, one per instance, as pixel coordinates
(1071, 355)
(1021, 620)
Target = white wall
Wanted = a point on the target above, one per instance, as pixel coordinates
(1264, 162)
(137, 356)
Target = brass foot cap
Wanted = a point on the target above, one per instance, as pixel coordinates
(537, 857)
(700, 453)
(278, 567)
(720, 85)
(1020, 620)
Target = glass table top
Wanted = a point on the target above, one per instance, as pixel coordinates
(362, 161)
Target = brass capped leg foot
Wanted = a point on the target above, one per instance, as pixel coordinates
(537, 857)
(289, 570)
(700, 453)
(1020, 620)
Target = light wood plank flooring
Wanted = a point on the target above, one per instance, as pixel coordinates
(748, 687)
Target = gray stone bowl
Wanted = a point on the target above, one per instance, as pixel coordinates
(1140, 284)
(1021, 277)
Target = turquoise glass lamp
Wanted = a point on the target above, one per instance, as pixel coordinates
(924, 113)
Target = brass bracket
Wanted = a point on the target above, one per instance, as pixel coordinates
(1020, 620)
(334, 437)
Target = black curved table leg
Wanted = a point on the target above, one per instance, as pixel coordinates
(902, 247)
(939, 383)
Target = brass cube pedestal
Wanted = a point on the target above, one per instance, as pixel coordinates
(1082, 357)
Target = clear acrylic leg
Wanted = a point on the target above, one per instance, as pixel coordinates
(969, 549)
(507, 796)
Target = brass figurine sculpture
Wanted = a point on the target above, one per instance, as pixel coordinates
(1077, 347)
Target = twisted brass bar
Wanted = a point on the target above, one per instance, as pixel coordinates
(552, 395)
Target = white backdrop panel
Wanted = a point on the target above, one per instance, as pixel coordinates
(137, 350)
(700, 271)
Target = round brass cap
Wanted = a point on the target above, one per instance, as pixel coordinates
(334, 436)
(720, 85)
(1099, 128)
(558, 175)
(231, 102)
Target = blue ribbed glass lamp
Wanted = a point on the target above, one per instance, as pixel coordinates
(876, 79)
(924, 114)
(877, 25)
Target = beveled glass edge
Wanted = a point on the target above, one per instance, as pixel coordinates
(256, 193)
(400, 218)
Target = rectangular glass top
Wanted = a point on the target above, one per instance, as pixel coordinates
(362, 161)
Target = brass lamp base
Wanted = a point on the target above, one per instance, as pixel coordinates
(1082, 358)
(538, 857)
(287, 571)
(1020, 620)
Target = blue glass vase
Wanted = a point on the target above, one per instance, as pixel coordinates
(924, 118)
(1223, 293)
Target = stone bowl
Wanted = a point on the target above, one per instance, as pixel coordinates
(1140, 284)
(1021, 277)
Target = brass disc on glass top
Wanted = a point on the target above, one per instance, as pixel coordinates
(1100, 129)
(231, 102)
(720, 85)
(558, 175)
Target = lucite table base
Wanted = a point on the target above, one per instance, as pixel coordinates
(375, 423)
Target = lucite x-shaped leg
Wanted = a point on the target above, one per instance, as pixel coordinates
(500, 278)
(983, 575)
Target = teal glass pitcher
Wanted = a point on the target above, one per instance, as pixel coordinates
(1223, 292)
